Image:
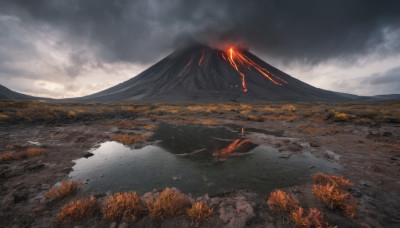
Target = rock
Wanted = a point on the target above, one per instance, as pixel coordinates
(113, 225)
(123, 225)
(313, 144)
(88, 154)
(387, 134)
(236, 214)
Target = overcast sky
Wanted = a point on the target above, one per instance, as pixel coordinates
(68, 48)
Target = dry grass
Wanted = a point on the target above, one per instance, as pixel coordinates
(280, 201)
(78, 210)
(335, 181)
(123, 206)
(207, 122)
(31, 152)
(168, 204)
(148, 127)
(288, 108)
(65, 189)
(314, 218)
(340, 116)
(128, 139)
(126, 123)
(199, 211)
(334, 199)
(254, 118)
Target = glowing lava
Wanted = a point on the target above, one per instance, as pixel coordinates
(202, 57)
(236, 145)
(235, 58)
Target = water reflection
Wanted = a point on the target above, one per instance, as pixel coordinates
(197, 160)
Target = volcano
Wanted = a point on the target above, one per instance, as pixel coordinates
(201, 73)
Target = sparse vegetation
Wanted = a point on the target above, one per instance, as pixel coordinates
(123, 206)
(333, 198)
(65, 189)
(199, 211)
(335, 181)
(280, 201)
(30, 152)
(128, 139)
(78, 210)
(168, 204)
(314, 218)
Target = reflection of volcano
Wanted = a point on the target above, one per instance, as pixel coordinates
(202, 73)
(198, 141)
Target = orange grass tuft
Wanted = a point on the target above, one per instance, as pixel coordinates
(128, 139)
(314, 218)
(281, 201)
(31, 152)
(124, 206)
(199, 211)
(78, 210)
(333, 198)
(168, 204)
(337, 182)
(64, 190)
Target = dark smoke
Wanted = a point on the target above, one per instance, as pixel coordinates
(310, 31)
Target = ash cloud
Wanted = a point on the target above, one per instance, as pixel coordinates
(139, 31)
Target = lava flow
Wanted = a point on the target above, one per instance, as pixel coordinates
(236, 145)
(235, 58)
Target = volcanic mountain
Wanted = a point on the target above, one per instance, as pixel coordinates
(200, 73)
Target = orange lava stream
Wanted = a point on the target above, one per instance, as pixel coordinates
(201, 59)
(247, 62)
(237, 144)
(187, 65)
(232, 62)
(260, 69)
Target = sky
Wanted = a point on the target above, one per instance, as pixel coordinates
(59, 48)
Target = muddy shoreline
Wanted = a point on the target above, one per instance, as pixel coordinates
(368, 152)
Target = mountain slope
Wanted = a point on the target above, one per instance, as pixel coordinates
(7, 94)
(205, 74)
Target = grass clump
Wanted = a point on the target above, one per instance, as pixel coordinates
(128, 139)
(337, 182)
(31, 152)
(78, 210)
(333, 198)
(168, 204)
(123, 206)
(64, 190)
(280, 201)
(314, 218)
(199, 211)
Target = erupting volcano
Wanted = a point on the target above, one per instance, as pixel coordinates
(201, 73)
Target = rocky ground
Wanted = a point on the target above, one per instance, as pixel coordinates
(369, 152)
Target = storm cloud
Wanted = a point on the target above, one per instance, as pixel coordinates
(94, 35)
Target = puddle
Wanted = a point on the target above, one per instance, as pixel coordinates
(197, 160)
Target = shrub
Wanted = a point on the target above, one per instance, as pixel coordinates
(281, 201)
(289, 108)
(78, 210)
(333, 198)
(128, 139)
(314, 218)
(168, 204)
(340, 116)
(335, 181)
(71, 114)
(31, 152)
(124, 206)
(64, 190)
(199, 211)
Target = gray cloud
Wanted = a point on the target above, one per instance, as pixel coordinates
(141, 31)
